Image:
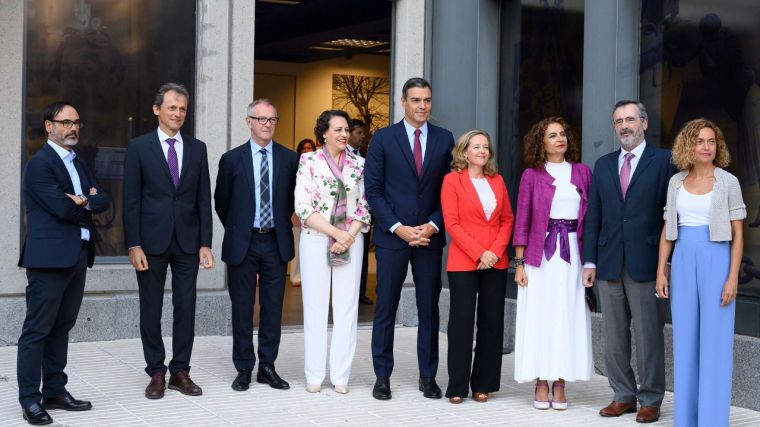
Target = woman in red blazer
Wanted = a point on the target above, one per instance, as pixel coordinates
(478, 217)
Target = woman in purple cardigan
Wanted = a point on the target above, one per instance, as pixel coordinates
(553, 334)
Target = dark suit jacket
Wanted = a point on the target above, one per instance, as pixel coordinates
(394, 191)
(615, 229)
(53, 221)
(153, 209)
(235, 200)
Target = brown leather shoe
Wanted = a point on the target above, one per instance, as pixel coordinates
(648, 414)
(182, 383)
(480, 397)
(155, 389)
(616, 409)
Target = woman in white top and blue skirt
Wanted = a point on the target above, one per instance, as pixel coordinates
(703, 216)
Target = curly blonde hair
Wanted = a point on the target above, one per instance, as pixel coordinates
(686, 140)
(459, 154)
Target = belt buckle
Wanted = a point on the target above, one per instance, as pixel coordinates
(263, 230)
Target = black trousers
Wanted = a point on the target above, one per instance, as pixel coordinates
(485, 289)
(151, 286)
(365, 256)
(53, 298)
(262, 260)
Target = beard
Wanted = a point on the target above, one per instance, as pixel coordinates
(70, 140)
(631, 140)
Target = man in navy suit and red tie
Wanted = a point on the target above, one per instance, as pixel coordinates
(60, 196)
(167, 222)
(405, 166)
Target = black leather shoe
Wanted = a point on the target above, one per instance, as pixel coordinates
(365, 300)
(382, 389)
(267, 375)
(243, 380)
(429, 388)
(35, 415)
(66, 402)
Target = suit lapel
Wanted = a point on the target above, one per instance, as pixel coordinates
(472, 193)
(84, 180)
(430, 146)
(612, 167)
(275, 170)
(644, 162)
(188, 155)
(158, 154)
(403, 144)
(247, 160)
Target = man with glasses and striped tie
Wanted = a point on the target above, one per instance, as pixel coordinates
(167, 222)
(254, 201)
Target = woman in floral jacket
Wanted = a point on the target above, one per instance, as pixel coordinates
(329, 201)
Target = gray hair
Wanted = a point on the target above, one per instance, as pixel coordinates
(166, 87)
(624, 102)
(259, 101)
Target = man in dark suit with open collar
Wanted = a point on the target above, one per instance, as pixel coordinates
(254, 201)
(167, 222)
(405, 166)
(621, 236)
(60, 196)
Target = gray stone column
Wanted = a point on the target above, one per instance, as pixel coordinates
(407, 48)
(610, 69)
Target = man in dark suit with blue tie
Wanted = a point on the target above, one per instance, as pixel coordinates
(60, 196)
(620, 244)
(254, 201)
(167, 222)
(404, 171)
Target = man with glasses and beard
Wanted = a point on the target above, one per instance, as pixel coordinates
(621, 237)
(60, 196)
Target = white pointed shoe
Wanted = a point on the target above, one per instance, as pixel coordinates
(542, 404)
(342, 389)
(313, 388)
(559, 406)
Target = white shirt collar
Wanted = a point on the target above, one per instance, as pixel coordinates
(163, 137)
(638, 151)
(410, 129)
(62, 152)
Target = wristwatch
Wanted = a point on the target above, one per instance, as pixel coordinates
(83, 198)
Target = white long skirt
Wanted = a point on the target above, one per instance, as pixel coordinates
(553, 331)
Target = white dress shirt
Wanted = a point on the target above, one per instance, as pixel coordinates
(177, 147)
(68, 161)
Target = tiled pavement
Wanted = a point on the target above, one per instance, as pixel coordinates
(111, 375)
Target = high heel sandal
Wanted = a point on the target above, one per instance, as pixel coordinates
(455, 400)
(560, 406)
(541, 404)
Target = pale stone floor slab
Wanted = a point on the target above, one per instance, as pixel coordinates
(111, 375)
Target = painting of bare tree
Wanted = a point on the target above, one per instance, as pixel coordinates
(364, 98)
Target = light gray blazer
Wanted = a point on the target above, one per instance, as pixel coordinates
(726, 205)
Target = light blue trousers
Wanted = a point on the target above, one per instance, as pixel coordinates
(703, 331)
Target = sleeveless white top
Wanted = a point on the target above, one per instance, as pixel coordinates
(486, 195)
(693, 210)
(566, 202)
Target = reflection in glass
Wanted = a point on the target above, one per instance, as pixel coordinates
(108, 58)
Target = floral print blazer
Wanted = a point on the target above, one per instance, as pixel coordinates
(316, 187)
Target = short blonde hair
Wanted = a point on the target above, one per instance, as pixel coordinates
(686, 140)
(459, 154)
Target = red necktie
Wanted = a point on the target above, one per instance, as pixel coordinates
(418, 151)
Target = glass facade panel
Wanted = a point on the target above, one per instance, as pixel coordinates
(541, 76)
(701, 58)
(108, 58)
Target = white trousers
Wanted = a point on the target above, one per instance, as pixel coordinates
(316, 280)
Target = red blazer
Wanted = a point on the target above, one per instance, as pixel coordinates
(471, 234)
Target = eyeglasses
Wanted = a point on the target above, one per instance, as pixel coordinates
(264, 120)
(627, 120)
(67, 124)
